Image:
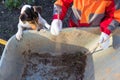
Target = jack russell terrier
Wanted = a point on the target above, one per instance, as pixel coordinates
(30, 18)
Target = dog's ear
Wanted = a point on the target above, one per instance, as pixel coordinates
(23, 17)
(37, 9)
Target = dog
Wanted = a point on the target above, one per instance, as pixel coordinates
(30, 18)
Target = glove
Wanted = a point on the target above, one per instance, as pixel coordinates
(104, 40)
(56, 27)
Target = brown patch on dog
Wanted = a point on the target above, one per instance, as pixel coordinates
(35, 24)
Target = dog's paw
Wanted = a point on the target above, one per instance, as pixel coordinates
(47, 26)
(18, 36)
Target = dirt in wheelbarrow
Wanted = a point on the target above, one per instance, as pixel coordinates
(68, 66)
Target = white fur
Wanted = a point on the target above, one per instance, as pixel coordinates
(19, 32)
(24, 8)
(21, 25)
(43, 21)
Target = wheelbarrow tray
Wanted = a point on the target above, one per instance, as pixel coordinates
(102, 65)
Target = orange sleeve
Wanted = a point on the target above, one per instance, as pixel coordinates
(60, 8)
(117, 15)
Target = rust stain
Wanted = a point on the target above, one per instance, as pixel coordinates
(103, 79)
(114, 58)
(117, 76)
(108, 70)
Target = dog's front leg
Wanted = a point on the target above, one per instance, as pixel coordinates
(44, 22)
(19, 32)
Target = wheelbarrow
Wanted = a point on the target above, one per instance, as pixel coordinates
(102, 65)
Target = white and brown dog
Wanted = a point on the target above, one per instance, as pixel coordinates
(30, 18)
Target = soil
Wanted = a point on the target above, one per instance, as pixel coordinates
(8, 22)
(68, 66)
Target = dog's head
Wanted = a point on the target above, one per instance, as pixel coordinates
(30, 14)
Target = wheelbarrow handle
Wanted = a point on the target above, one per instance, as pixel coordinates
(3, 42)
(96, 46)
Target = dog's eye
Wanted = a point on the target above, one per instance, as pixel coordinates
(22, 17)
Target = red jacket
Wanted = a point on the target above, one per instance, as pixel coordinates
(103, 13)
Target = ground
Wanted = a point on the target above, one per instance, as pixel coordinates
(9, 19)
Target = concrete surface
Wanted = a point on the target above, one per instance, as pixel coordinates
(102, 65)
